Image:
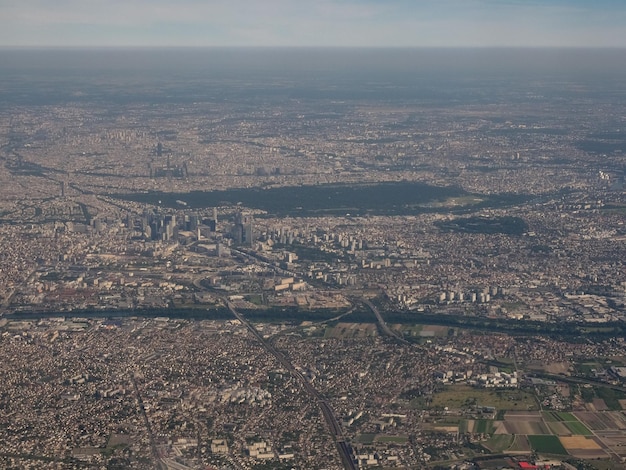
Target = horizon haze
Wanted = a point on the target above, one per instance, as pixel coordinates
(328, 23)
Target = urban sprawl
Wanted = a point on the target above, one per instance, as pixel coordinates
(168, 302)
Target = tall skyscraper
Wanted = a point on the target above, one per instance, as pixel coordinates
(243, 229)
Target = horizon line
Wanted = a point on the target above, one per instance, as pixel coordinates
(310, 47)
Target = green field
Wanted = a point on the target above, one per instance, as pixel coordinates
(547, 445)
(392, 439)
(554, 416)
(551, 416)
(578, 428)
(367, 439)
(458, 396)
(463, 427)
(484, 426)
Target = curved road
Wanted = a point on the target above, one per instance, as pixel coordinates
(383, 326)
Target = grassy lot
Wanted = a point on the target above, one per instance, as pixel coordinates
(351, 330)
(411, 331)
(256, 299)
(457, 396)
(606, 465)
(367, 439)
(423, 332)
(586, 367)
(392, 439)
(547, 445)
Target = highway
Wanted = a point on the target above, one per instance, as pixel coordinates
(383, 326)
(155, 454)
(343, 447)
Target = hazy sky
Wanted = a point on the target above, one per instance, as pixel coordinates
(421, 23)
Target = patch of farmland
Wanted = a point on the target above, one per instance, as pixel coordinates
(499, 443)
(599, 404)
(484, 426)
(523, 415)
(579, 443)
(527, 427)
(520, 444)
(466, 425)
(591, 420)
(613, 420)
(564, 416)
(551, 416)
(500, 428)
(547, 444)
(614, 440)
(578, 428)
(589, 454)
(559, 428)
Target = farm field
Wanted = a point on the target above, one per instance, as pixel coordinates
(560, 429)
(596, 421)
(583, 447)
(557, 433)
(587, 435)
(565, 424)
(482, 426)
(556, 416)
(520, 444)
(576, 427)
(527, 427)
(499, 443)
(547, 444)
(579, 442)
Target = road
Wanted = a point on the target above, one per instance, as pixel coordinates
(383, 326)
(155, 453)
(343, 447)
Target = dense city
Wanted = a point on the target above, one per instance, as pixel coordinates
(293, 282)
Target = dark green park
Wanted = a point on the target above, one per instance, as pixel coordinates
(387, 198)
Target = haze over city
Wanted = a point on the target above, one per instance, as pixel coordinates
(319, 235)
(325, 23)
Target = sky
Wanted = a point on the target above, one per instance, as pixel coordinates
(316, 23)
